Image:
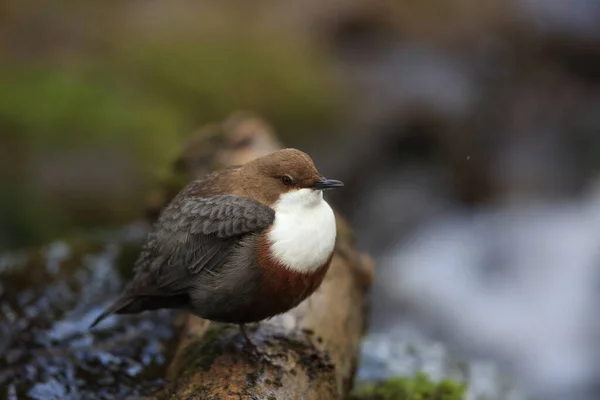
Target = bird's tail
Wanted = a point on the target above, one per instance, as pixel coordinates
(118, 306)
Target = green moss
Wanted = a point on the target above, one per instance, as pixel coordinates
(131, 104)
(200, 353)
(54, 108)
(55, 119)
(419, 387)
(283, 81)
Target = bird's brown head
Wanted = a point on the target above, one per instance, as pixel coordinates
(283, 171)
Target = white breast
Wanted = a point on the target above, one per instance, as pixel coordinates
(303, 233)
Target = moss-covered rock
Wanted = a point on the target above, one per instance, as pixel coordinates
(419, 387)
(201, 352)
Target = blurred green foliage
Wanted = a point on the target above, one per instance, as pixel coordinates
(419, 387)
(138, 99)
(206, 80)
(55, 108)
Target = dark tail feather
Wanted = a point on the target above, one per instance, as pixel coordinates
(117, 306)
(135, 304)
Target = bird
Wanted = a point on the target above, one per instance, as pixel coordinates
(239, 245)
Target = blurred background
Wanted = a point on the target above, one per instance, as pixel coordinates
(467, 133)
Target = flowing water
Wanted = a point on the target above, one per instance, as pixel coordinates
(48, 299)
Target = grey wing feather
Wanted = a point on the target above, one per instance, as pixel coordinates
(195, 235)
(223, 215)
(192, 236)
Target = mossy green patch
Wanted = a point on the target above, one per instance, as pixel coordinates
(419, 387)
(53, 107)
(81, 149)
(114, 119)
(283, 81)
(200, 353)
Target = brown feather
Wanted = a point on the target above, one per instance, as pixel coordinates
(282, 289)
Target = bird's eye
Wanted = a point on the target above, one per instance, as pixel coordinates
(286, 180)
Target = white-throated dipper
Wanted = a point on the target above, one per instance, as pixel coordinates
(241, 245)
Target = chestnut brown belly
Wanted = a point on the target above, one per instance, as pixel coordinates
(282, 289)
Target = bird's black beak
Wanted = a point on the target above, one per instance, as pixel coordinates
(325, 184)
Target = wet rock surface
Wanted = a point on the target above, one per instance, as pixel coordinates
(48, 299)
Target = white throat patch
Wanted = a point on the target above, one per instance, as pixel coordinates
(303, 234)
